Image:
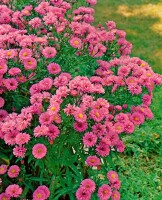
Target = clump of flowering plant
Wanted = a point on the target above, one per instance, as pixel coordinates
(69, 93)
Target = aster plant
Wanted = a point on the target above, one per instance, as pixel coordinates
(69, 93)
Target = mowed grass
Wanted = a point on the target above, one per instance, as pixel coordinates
(140, 166)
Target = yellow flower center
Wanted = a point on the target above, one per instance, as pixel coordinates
(25, 54)
(39, 195)
(112, 175)
(143, 65)
(30, 62)
(9, 53)
(53, 108)
(13, 171)
(118, 128)
(4, 198)
(80, 115)
(148, 74)
(76, 42)
(39, 151)
(136, 119)
(105, 191)
(1, 67)
(26, 11)
(97, 114)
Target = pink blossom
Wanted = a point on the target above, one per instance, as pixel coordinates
(76, 42)
(4, 196)
(102, 149)
(13, 171)
(11, 83)
(19, 151)
(3, 67)
(14, 71)
(81, 194)
(3, 169)
(116, 185)
(120, 146)
(30, 63)
(54, 68)
(22, 138)
(115, 195)
(45, 84)
(137, 118)
(88, 185)
(112, 176)
(25, 54)
(2, 102)
(80, 127)
(14, 190)
(49, 52)
(53, 132)
(104, 192)
(80, 116)
(39, 151)
(89, 139)
(93, 161)
(92, 2)
(41, 193)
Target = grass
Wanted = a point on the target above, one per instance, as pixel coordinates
(139, 167)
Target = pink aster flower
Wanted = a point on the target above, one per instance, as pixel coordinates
(93, 161)
(11, 84)
(88, 185)
(30, 63)
(25, 54)
(76, 42)
(120, 146)
(97, 115)
(4, 196)
(104, 192)
(45, 118)
(116, 185)
(14, 71)
(53, 132)
(103, 149)
(112, 176)
(45, 84)
(54, 68)
(14, 190)
(115, 195)
(41, 131)
(89, 139)
(119, 127)
(41, 193)
(3, 169)
(80, 127)
(81, 194)
(39, 151)
(137, 118)
(92, 2)
(49, 52)
(13, 171)
(2, 102)
(146, 99)
(19, 151)
(22, 138)
(80, 116)
(3, 67)
(128, 127)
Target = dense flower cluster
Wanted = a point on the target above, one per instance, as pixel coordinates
(69, 92)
